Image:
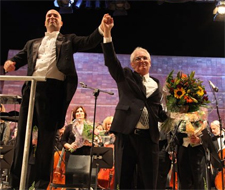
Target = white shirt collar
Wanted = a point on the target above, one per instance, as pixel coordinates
(146, 77)
(52, 34)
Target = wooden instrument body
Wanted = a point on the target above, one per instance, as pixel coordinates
(218, 179)
(58, 176)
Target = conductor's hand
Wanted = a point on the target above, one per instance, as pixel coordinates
(107, 24)
(9, 66)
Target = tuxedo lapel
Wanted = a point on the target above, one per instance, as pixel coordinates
(139, 84)
(59, 41)
(215, 142)
(36, 46)
(155, 93)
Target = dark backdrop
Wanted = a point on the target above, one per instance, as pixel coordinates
(176, 29)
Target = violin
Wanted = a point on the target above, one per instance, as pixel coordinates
(58, 176)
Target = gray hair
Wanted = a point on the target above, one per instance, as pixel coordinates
(216, 122)
(136, 49)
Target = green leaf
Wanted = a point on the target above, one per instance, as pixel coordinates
(192, 74)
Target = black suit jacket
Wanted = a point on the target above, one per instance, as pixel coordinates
(66, 46)
(132, 98)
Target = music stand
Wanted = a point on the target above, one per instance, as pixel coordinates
(77, 173)
(6, 156)
(171, 148)
(96, 92)
(102, 158)
(10, 116)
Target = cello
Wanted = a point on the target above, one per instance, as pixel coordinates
(173, 183)
(221, 174)
(58, 176)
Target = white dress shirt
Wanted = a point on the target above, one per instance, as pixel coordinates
(151, 87)
(46, 60)
(223, 141)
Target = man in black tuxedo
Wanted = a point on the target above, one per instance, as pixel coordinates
(52, 57)
(135, 122)
(217, 135)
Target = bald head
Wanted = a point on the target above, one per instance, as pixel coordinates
(53, 21)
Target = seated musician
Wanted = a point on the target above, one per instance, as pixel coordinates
(106, 176)
(218, 139)
(108, 137)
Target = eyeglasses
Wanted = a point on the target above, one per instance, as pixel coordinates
(140, 58)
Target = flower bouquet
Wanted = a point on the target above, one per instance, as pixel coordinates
(186, 102)
(85, 138)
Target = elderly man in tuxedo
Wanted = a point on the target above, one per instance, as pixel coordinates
(51, 57)
(218, 135)
(135, 121)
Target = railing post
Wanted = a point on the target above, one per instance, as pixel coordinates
(29, 121)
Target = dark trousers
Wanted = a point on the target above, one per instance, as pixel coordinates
(47, 108)
(191, 167)
(135, 154)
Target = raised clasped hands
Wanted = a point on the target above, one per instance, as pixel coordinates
(107, 24)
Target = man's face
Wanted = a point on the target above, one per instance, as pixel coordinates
(141, 62)
(53, 21)
(215, 129)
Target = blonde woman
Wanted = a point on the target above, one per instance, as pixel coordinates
(109, 138)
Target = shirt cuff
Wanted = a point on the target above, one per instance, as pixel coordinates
(100, 31)
(107, 40)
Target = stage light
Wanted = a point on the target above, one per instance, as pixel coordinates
(56, 3)
(219, 11)
(63, 3)
(65, 6)
(78, 3)
(220, 8)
